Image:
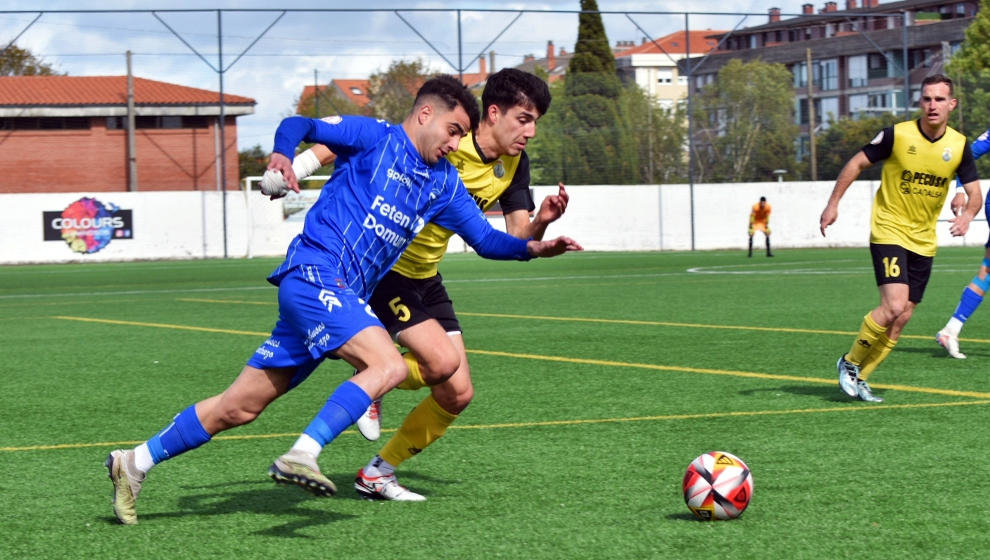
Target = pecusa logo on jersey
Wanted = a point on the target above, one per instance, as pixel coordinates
(87, 225)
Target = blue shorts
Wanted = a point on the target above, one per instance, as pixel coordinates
(317, 314)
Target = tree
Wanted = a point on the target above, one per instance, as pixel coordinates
(844, 138)
(252, 161)
(594, 146)
(658, 135)
(970, 70)
(744, 123)
(392, 92)
(15, 61)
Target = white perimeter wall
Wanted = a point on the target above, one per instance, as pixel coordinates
(178, 225)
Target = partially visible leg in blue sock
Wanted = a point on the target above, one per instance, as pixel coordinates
(184, 433)
(347, 403)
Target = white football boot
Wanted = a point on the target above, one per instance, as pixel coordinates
(950, 342)
(848, 376)
(384, 487)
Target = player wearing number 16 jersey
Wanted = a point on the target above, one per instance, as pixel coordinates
(920, 159)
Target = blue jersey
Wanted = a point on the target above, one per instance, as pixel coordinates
(981, 145)
(380, 196)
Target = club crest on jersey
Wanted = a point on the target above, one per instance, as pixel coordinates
(947, 154)
(499, 169)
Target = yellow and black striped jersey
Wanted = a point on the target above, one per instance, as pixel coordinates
(915, 179)
(504, 180)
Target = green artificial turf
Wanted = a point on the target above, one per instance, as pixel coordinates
(598, 378)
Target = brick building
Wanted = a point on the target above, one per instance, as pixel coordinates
(69, 134)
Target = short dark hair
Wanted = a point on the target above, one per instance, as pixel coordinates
(937, 79)
(763, 199)
(451, 93)
(510, 87)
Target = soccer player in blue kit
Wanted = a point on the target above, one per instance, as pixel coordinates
(973, 294)
(389, 181)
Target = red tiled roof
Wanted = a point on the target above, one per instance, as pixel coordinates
(676, 43)
(103, 90)
(345, 87)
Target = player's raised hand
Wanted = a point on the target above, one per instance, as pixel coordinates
(553, 247)
(278, 163)
(554, 206)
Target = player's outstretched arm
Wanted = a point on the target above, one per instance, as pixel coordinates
(850, 172)
(553, 247)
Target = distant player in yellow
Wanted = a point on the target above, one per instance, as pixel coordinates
(921, 158)
(759, 220)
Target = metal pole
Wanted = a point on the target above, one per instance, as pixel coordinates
(132, 179)
(904, 59)
(811, 117)
(316, 95)
(223, 123)
(460, 50)
(687, 66)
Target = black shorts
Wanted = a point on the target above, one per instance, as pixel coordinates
(402, 302)
(893, 264)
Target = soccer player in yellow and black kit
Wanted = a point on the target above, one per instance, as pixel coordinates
(411, 300)
(921, 157)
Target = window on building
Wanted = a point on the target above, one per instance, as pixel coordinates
(829, 109)
(45, 123)
(876, 66)
(857, 70)
(800, 72)
(827, 74)
(665, 77)
(858, 103)
(160, 121)
(880, 100)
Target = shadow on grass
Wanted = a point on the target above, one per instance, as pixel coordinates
(829, 393)
(683, 517)
(264, 497)
(938, 352)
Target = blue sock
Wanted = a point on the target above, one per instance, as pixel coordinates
(968, 303)
(184, 433)
(347, 403)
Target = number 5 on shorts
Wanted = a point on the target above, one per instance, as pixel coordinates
(402, 312)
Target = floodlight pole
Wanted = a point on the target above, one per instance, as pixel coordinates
(687, 66)
(223, 126)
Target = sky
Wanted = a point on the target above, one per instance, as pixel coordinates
(270, 57)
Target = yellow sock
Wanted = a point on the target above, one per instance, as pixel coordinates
(414, 380)
(424, 425)
(880, 352)
(866, 340)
